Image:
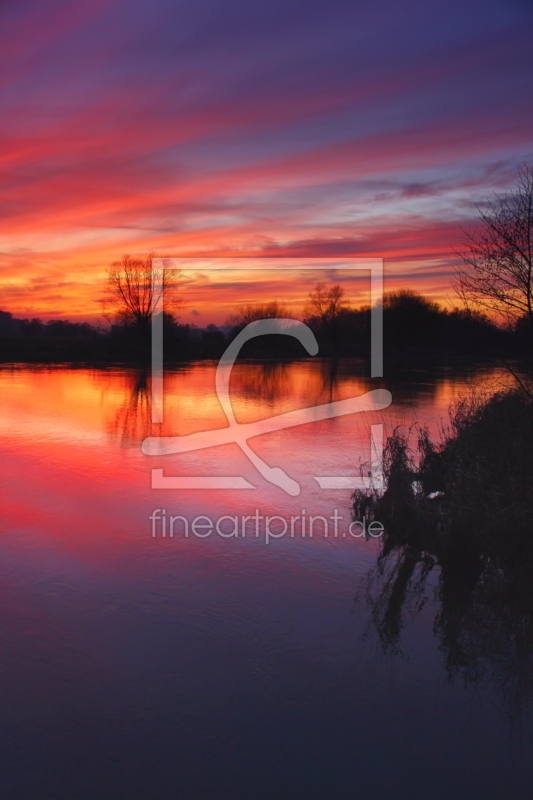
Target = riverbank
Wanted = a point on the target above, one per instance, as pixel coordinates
(467, 497)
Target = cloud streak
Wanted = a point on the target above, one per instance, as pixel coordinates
(289, 128)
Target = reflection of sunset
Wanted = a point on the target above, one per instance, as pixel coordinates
(484, 380)
(92, 407)
(75, 430)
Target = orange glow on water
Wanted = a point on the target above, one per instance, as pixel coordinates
(71, 442)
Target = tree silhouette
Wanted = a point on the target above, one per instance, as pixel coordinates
(497, 270)
(324, 309)
(130, 297)
(251, 312)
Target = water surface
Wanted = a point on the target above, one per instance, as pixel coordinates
(220, 667)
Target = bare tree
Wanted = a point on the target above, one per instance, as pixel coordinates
(251, 312)
(324, 308)
(497, 269)
(325, 304)
(130, 297)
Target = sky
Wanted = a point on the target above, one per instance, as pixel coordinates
(287, 128)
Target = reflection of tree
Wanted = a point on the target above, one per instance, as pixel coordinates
(484, 620)
(132, 421)
(268, 382)
(329, 371)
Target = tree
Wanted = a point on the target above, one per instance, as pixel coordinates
(251, 312)
(497, 269)
(409, 302)
(324, 309)
(411, 319)
(130, 298)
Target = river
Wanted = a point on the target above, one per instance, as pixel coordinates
(212, 665)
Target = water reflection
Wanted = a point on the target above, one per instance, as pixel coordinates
(262, 388)
(321, 379)
(268, 382)
(131, 421)
(154, 657)
(483, 619)
(330, 377)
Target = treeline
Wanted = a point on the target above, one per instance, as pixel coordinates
(412, 324)
(413, 327)
(57, 341)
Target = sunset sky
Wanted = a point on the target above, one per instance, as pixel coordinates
(238, 128)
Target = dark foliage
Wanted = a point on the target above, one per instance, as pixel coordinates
(415, 330)
(462, 508)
